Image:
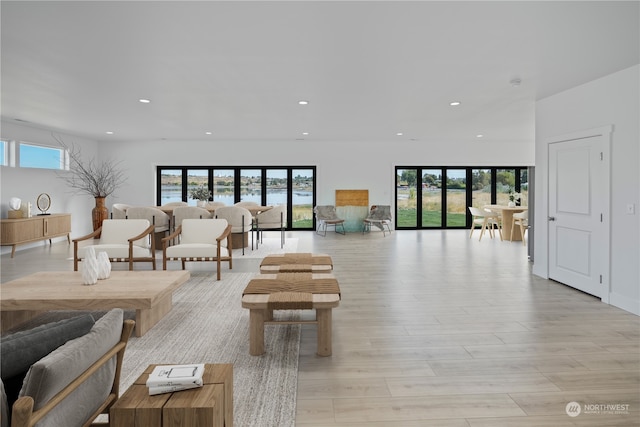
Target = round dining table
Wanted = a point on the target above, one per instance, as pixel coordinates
(506, 212)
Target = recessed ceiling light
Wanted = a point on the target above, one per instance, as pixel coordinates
(303, 102)
(454, 103)
(399, 134)
(109, 132)
(144, 100)
(479, 135)
(305, 133)
(208, 133)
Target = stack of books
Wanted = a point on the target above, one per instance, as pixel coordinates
(170, 378)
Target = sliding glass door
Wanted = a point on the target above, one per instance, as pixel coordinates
(456, 197)
(294, 187)
(431, 198)
(439, 197)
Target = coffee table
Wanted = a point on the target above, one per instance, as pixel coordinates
(207, 406)
(148, 292)
(290, 291)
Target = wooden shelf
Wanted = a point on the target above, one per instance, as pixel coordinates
(19, 231)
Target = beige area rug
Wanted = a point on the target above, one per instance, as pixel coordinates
(268, 246)
(208, 325)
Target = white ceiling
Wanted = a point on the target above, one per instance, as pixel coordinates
(369, 69)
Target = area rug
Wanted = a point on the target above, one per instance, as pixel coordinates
(268, 246)
(208, 325)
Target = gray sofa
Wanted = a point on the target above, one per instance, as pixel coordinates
(72, 370)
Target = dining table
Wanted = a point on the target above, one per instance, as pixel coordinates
(506, 212)
(255, 210)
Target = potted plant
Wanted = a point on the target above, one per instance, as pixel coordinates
(202, 194)
(513, 197)
(98, 178)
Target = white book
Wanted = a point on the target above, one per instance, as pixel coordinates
(153, 390)
(168, 375)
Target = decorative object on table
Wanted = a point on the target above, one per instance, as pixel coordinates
(98, 178)
(14, 208)
(104, 265)
(25, 208)
(170, 378)
(14, 203)
(43, 202)
(90, 267)
(513, 197)
(202, 194)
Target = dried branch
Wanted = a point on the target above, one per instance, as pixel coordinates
(96, 178)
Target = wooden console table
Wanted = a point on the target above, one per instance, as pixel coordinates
(208, 406)
(18, 231)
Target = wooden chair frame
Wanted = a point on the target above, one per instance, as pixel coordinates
(96, 234)
(226, 234)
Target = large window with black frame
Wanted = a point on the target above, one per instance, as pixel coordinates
(293, 186)
(438, 196)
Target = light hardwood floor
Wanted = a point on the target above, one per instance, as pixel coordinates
(436, 329)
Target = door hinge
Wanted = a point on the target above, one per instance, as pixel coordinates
(601, 279)
(601, 156)
(601, 218)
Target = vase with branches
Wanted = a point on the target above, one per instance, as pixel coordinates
(96, 177)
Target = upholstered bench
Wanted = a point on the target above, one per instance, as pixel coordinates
(290, 291)
(296, 263)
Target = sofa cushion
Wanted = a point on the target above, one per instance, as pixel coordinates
(203, 231)
(20, 350)
(196, 250)
(119, 231)
(116, 251)
(55, 371)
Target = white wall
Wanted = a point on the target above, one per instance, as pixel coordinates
(611, 100)
(28, 183)
(340, 165)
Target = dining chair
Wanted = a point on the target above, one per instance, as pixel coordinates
(522, 220)
(486, 219)
(241, 222)
(273, 219)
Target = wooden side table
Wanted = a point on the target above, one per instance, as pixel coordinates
(208, 406)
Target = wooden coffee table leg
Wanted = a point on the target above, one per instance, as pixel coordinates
(323, 316)
(146, 318)
(256, 331)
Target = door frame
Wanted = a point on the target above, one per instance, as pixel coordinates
(605, 199)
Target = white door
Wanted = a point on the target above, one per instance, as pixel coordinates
(578, 209)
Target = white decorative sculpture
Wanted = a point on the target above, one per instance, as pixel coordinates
(14, 203)
(104, 265)
(90, 267)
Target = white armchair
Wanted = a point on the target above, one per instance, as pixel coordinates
(200, 240)
(124, 240)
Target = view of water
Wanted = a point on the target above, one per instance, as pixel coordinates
(273, 198)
